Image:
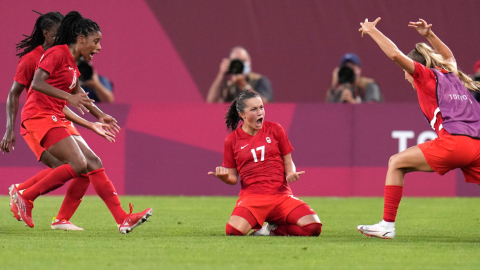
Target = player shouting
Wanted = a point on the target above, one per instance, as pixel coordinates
(259, 152)
(34, 46)
(451, 111)
(55, 85)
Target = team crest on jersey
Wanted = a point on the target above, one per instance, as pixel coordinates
(268, 140)
(54, 118)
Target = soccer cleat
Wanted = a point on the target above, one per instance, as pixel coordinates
(381, 230)
(13, 207)
(64, 225)
(133, 220)
(265, 230)
(24, 208)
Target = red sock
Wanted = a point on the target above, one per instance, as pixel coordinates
(393, 195)
(312, 229)
(73, 198)
(55, 179)
(105, 190)
(230, 230)
(32, 181)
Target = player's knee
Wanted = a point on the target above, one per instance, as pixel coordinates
(230, 230)
(394, 161)
(313, 229)
(79, 165)
(94, 162)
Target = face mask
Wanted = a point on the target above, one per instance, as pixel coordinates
(246, 68)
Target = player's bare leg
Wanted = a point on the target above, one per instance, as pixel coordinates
(410, 160)
(238, 226)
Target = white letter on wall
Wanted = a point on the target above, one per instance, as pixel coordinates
(402, 136)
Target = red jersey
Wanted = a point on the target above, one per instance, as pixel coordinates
(26, 69)
(426, 85)
(258, 159)
(60, 64)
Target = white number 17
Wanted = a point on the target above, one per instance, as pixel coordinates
(255, 155)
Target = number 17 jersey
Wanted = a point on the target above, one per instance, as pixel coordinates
(258, 159)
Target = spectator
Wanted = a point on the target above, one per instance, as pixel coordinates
(476, 77)
(98, 87)
(348, 77)
(231, 81)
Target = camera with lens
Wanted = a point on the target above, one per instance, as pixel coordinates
(346, 81)
(346, 75)
(236, 67)
(86, 71)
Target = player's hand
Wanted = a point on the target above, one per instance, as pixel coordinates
(224, 65)
(294, 176)
(221, 173)
(100, 129)
(79, 101)
(422, 27)
(368, 27)
(113, 127)
(7, 141)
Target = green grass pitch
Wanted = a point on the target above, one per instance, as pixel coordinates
(188, 233)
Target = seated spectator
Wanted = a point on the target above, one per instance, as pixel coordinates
(348, 86)
(235, 76)
(99, 88)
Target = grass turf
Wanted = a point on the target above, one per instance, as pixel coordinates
(188, 233)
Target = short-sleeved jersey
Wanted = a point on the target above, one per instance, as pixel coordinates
(26, 69)
(426, 85)
(27, 65)
(258, 159)
(60, 64)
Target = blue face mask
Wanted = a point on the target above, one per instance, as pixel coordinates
(246, 68)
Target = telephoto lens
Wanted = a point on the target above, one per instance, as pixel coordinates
(236, 67)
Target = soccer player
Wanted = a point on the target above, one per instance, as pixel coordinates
(259, 152)
(34, 46)
(54, 85)
(450, 109)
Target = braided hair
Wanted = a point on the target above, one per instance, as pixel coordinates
(44, 22)
(232, 118)
(72, 26)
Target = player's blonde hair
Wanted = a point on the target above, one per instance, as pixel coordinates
(428, 57)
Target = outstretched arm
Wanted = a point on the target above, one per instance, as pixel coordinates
(99, 128)
(12, 109)
(425, 30)
(387, 46)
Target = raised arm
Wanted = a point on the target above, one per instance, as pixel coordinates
(425, 30)
(387, 46)
(12, 110)
(40, 84)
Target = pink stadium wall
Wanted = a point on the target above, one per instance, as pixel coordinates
(163, 55)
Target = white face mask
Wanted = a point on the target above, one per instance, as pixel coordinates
(246, 68)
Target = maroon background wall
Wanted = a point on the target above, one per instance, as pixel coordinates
(163, 55)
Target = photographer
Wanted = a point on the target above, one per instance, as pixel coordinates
(98, 87)
(235, 76)
(361, 90)
(344, 92)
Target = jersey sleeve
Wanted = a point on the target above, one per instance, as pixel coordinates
(423, 77)
(283, 142)
(25, 70)
(228, 154)
(49, 62)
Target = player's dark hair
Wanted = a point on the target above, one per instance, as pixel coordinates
(74, 25)
(232, 118)
(36, 38)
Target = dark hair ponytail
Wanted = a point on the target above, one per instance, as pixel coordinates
(232, 118)
(44, 22)
(72, 26)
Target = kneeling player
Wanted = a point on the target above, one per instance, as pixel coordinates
(260, 153)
